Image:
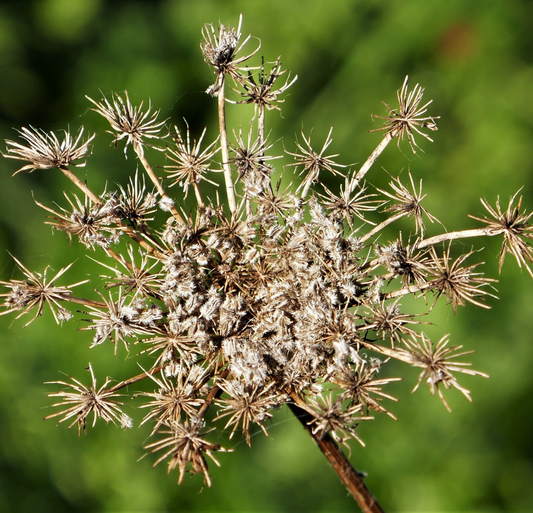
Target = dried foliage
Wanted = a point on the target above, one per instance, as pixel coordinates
(265, 297)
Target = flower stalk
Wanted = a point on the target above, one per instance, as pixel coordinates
(224, 148)
(351, 479)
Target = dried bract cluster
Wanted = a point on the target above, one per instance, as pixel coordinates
(266, 296)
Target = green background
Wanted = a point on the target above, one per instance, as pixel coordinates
(475, 59)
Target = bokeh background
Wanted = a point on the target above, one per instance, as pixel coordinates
(475, 59)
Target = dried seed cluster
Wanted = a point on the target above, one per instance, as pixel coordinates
(264, 297)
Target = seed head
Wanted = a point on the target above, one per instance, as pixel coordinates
(220, 51)
(46, 151)
(85, 400)
(262, 93)
(129, 122)
(36, 291)
(190, 164)
(515, 227)
(438, 364)
(409, 117)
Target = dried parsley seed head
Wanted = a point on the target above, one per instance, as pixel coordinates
(265, 294)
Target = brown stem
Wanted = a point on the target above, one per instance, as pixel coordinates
(340, 464)
(137, 378)
(211, 396)
(198, 195)
(261, 127)
(132, 234)
(396, 353)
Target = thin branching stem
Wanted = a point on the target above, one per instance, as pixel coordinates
(261, 127)
(371, 159)
(198, 195)
(85, 302)
(215, 392)
(410, 289)
(224, 148)
(462, 234)
(137, 378)
(388, 352)
(380, 226)
(81, 185)
(155, 180)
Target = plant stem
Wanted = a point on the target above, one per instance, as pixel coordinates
(261, 127)
(84, 302)
(157, 183)
(397, 354)
(213, 394)
(410, 289)
(463, 234)
(198, 195)
(230, 190)
(142, 242)
(137, 378)
(380, 226)
(81, 185)
(371, 159)
(340, 464)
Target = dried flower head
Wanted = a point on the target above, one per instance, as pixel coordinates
(45, 151)
(247, 404)
(133, 203)
(95, 224)
(250, 161)
(36, 291)
(312, 162)
(360, 385)
(408, 203)
(438, 364)
(117, 321)
(339, 422)
(459, 284)
(407, 262)
(175, 396)
(350, 203)
(190, 164)
(85, 400)
(261, 93)
(186, 445)
(220, 51)
(388, 322)
(266, 296)
(515, 227)
(141, 280)
(129, 122)
(409, 117)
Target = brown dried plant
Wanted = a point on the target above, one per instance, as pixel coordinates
(265, 297)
